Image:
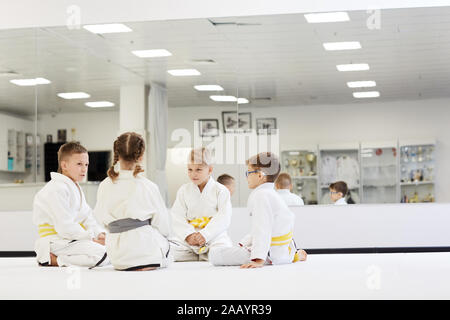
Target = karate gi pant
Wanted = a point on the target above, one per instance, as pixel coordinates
(82, 253)
(182, 251)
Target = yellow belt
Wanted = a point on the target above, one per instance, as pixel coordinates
(200, 222)
(285, 240)
(46, 230)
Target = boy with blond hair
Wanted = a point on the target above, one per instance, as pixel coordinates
(201, 213)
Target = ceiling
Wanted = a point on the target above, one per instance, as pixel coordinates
(275, 60)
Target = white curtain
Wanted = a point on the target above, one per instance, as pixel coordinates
(157, 125)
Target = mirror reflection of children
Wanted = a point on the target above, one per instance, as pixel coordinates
(338, 191)
(283, 185)
(228, 182)
(68, 232)
(270, 239)
(201, 213)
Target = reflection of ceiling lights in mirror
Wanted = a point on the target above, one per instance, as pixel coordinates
(229, 99)
(99, 104)
(366, 94)
(30, 82)
(152, 53)
(184, 72)
(346, 45)
(242, 100)
(208, 87)
(327, 17)
(107, 28)
(73, 95)
(361, 84)
(223, 98)
(353, 67)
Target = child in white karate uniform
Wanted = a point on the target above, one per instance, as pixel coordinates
(227, 181)
(283, 185)
(68, 232)
(133, 211)
(201, 213)
(338, 191)
(271, 238)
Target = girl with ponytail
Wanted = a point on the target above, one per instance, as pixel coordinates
(133, 211)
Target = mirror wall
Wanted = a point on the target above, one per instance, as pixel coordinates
(239, 85)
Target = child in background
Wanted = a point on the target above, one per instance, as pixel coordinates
(270, 240)
(133, 210)
(227, 181)
(201, 213)
(68, 232)
(283, 185)
(338, 191)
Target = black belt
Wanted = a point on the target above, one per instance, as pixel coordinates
(127, 224)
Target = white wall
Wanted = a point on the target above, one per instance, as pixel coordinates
(94, 130)
(328, 124)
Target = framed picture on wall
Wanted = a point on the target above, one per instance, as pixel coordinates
(208, 127)
(266, 125)
(231, 123)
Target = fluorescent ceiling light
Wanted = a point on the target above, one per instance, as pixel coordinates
(347, 45)
(327, 17)
(73, 95)
(366, 94)
(184, 72)
(208, 87)
(242, 100)
(353, 67)
(107, 28)
(99, 104)
(30, 82)
(152, 53)
(361, 84)
(223, 98)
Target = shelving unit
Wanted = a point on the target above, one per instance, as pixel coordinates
(301, 165)
(379, 173)
(340, 162)
(417, 170)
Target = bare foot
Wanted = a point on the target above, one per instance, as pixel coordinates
(146, 269)
(302, 255)
(53, 261)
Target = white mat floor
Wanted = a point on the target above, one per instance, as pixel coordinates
(346, 276)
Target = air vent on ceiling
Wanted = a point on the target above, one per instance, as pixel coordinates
(232, 23)
(8, 73)
(262, 99)
(203, 61)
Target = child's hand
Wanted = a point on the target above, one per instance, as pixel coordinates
(192, 239)
(255, 263)
(100, 239)
(200, 239)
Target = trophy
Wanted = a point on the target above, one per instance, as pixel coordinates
(310, 158)
(294, 164)
(419, 154)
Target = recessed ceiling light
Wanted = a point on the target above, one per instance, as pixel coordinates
(152, 53)
(327, 17)
(223, 98)
(361, 84)
(30, 82)
(366, 94)
(353, 67)
(73, 95)
(107, 28)
(208, 87)
(346, 45)
(99, 104)
(184, 72)
(242, 100)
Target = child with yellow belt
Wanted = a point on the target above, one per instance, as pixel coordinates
(201, 213)
(68, 232)
(270, 240)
